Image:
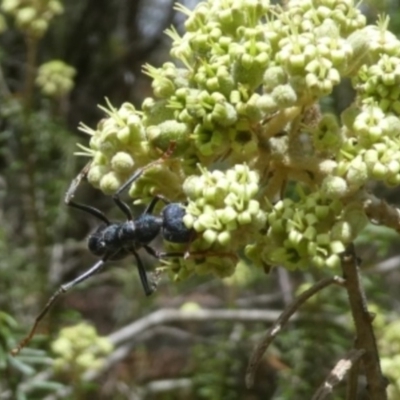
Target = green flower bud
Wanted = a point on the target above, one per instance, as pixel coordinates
(277, 227)
(224, 114)
(234, 97)
(229, 214)
(333, 261)
(288, 213)
(188, 220)
(357, 173)
(342, 231)
(249, 71)
(85, 360)
(108, 145)
(284, 96)
(110, 183)
(379, 171)
(327, 167)
(393, 180)
(210, 236)
(337, 247)
(295, 237)
(203, 222)
(266, 103)
(253, 206)
(312, 249)
(274, 76)
(311, 218)
(323, 239)
(99, 159)
(156, 112)
(96, 173)
(251, 108)
(26, 15)
(370, 157)
(166, 132)
(224, 238)
(55, 78)
(244, 218)
(318, 261)
(124, 135)
(393, 167)
(209, 193)
(122, 162)
(310, 233)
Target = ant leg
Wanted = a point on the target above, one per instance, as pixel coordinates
(61, 290)
(149, 209)
(127, 211)
(161, 254)
(90, 210)
(123, 207)
(71, 193)
(187, 254)
(136, 175)
(142, 274)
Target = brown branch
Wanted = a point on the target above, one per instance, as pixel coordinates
(338, 373)
(363, 324)
(167, 315)
(352, 380)
(262, 346)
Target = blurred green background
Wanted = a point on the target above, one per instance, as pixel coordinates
(42, 242)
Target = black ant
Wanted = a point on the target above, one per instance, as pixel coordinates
(117, 240)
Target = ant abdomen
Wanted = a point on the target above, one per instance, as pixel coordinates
(109, 239)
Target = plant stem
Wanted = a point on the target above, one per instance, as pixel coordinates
(363, 324)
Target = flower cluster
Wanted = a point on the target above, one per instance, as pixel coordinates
(80, 348)
(224, 211)
(120, 146)
(313, 231)
(55, 78)
(32, 16)
(241, 108)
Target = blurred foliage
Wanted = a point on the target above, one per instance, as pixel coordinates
(106, 43)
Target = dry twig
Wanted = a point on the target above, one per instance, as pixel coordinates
(281, 321)
(338, 373)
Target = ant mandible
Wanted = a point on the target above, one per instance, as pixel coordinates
(117, 240)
